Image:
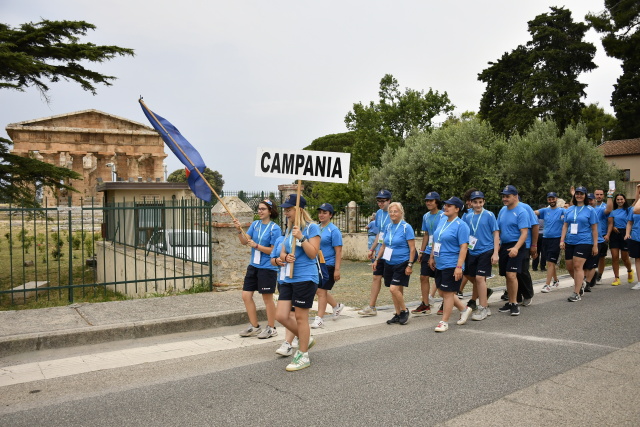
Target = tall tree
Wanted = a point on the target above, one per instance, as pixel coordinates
(600, 125)
(30, 55)
(389, 122)
(214, 178)
(539, 80)
(620, 25)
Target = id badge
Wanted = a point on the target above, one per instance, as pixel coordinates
(381, 238)
(256, 256)
(287, 270)
(574, 228)
(436, 249)
(283, 273)
(431, 241)
(472, 242)
(387, 254)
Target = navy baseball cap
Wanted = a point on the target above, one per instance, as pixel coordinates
(581, 189)
(476, 195)
(552, 194)
(291, 201)
(326, 207)
(591, 196)
(455, 202)
(510, 189)
(432, 195)
(384, 194)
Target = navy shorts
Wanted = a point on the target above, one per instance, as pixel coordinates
(634, 248)
(445, 280)
(578, 251)
(425, 270)
(551, 248)
(301, 294)
(591, 262)
(603, 248)
(394, 275)
(262, 280)
(616, 241)
(328, 285)
(478, 265)
(508, 264)
(379, 271)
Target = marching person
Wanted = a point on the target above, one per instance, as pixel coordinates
(430, 221)
(484, 242)
(603, 225)
(372, 232)
(617, 243)
(261, 276)
(632, 234)
(447, 258)
(383, 199)
(513, 223)
(397, 252)
(579, 239)
(331, 247)
(553, 217)
(299, 251)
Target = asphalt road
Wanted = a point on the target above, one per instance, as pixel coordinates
(378, 375)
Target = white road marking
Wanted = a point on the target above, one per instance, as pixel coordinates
(540, 339)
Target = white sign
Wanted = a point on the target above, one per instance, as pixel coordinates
(301, 164)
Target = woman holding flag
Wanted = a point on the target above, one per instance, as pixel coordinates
(298, 289)
(261, 276)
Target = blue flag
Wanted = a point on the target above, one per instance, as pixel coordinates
(176, 142)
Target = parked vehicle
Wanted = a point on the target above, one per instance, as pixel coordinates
(191, 245)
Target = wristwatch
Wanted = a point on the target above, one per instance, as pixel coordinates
(410, 264)
(303, 239)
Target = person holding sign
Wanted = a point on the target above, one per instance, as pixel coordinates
(331, 247)
(397, 253)
(450, 243)
(261, 275)
(383, 199)
(299, 251)
(579, 239)
(617, 243)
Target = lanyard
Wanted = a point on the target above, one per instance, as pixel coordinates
(576, 212)
(384, 221)
(261, 235)
(291, 248)
(430, 221)
(444, 228)
(477, 223)
(394, 232)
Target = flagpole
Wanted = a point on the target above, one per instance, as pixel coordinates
(194, 166)
(296, 222)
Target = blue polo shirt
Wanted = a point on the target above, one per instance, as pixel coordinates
(382, 219)
(635, 227)
(553, 220)
(305, 268)
(450, 235)
(585, 217)
(275, 253)
(330, 237)
(603, 221)
(429, 223)
(533, 220)
(511, 221)
(396, 237)
(264, 235)
(620, 217)
(482, 226)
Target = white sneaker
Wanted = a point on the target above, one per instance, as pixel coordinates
(295, 342)
(479, 314)
(555, 284)
(317, 323)
(488, 311)
(267, 332)
(285, 349)
(636, 287)
(546, 289)
(432, 300)
(337, 310)
(442, 326)
(464, 316)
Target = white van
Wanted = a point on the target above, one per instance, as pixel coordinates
(191, 245)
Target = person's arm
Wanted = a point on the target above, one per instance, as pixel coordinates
(372, 249)
(336, 273)
(496, 247)
(425, 241)
(457, 273)
(636, 206)
(565, 226)
(594, 235)
(311, 246)
(242, 236)
(609, 206)
(513, 252)
(533, 251)
(627, 235)
(412, 255)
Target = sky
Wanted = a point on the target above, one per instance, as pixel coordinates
(233, 76)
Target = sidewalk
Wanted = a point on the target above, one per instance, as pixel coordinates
(91, 323)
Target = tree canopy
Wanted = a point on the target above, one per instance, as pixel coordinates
(539, 80)
(31, 55)
(600, 125)
(214, 178)
(620, 25)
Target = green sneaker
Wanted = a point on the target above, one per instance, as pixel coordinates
(300, 361)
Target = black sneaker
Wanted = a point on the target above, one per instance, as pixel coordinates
(505, 308)
(505, 296)
(472, 303)
(587, 288)
(460, 295)
(403, 319)
(515, 310)
(394, 319)
(489, 292)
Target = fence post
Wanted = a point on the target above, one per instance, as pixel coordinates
(352, 216)
(70, 243)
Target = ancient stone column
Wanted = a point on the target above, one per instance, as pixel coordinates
(286, 189)
(230, 258)
(352, 215)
